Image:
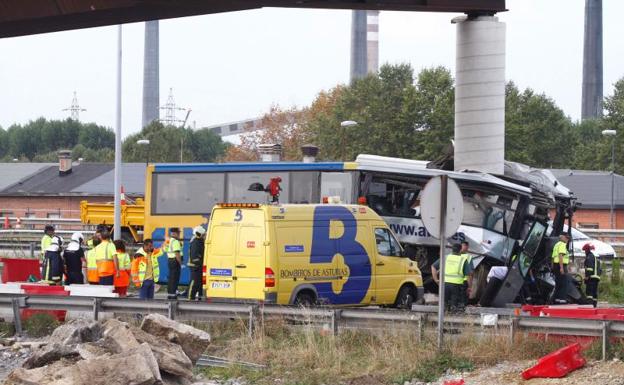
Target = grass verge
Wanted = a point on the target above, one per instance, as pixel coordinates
(304, 356)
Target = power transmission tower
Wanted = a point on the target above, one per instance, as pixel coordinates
(74, 109)
(170, 111)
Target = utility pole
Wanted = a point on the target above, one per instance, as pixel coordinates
(117, 184)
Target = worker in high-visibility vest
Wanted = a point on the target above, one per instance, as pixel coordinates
(92, 273)
(46, 240)
(145, 269)
(464, 252)
(195, 263)
(105, 259)
(592, 273)
(122, 274)
(560, 261)
(174, 262)
(456, 268)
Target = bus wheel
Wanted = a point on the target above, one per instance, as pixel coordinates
(305, 299)
(405, 299)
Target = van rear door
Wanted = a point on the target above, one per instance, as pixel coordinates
(235, 258)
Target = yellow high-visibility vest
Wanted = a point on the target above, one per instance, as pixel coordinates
(454, 269)
(560, 248)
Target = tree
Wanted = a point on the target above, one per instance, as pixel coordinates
(167, 142)
(537, 132)
(614, 120)
(287, 127)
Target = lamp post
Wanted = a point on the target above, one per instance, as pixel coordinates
(344, 125)
(612, 133)
(145, 142)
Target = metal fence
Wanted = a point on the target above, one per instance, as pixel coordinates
(331, 319)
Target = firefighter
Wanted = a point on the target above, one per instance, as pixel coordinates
(456, 268)
(592, 273)
(195, 263)
(53, 262)
(174, 263)
(74, 259)
(560, 260)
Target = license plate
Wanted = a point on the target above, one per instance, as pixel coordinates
(221, 285)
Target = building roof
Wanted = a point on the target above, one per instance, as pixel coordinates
(593, 188)
(14, 172)
(132, 179)
(86, 179)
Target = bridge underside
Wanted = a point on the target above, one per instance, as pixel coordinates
(19, 17)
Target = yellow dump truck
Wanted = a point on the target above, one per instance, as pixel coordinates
(132, 217)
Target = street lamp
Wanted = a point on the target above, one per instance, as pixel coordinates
(344, 125)
(612, 133)
(145, 142)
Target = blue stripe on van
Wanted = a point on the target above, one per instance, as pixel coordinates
(259, 167)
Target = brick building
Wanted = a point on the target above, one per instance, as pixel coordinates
(50, 190)
(593, 190)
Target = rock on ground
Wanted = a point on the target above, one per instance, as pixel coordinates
(170, 357)
(76, 331)
(193, 341)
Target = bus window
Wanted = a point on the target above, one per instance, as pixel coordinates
(337, 184)
(489, 211)
(393, 197)
(238, 186)
(304, 187)
(186, 193)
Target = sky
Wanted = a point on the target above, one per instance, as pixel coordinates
(232, 66)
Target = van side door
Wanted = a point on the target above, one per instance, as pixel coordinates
(389, 266)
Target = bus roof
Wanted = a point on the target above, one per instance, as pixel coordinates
(419, 167)
(250, 166)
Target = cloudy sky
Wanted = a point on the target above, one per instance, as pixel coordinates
(232, 66)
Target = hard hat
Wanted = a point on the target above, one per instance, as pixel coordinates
(199, 230)
(588, 246)
(77, 236)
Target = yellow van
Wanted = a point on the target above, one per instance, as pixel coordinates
(307, 254)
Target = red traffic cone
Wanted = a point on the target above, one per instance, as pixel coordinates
(7, 224)
(557, 364)
(123, 196)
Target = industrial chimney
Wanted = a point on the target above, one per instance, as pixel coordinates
(358, 45)
(151, 84)
(372, 42)
(592, 61)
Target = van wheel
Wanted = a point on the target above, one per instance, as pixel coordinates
(405, 298)
(305, 299)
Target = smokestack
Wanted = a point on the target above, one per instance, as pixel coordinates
(358, 45)
(592, 61)
(310, 152)
(65, 162)
(270, 152)
(151, 94)
(372, 41)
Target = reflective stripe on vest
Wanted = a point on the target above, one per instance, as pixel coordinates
(46, 241)
(454, 269)
(138, 273)
(595, 270)
(104, 253)
(174, 245)
(560, 248)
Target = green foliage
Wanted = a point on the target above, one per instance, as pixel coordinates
(201, 145)
(40, 139)
(431, 369)
(615, 272)
(40, 324)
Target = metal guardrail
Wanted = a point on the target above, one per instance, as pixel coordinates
(332, 320)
